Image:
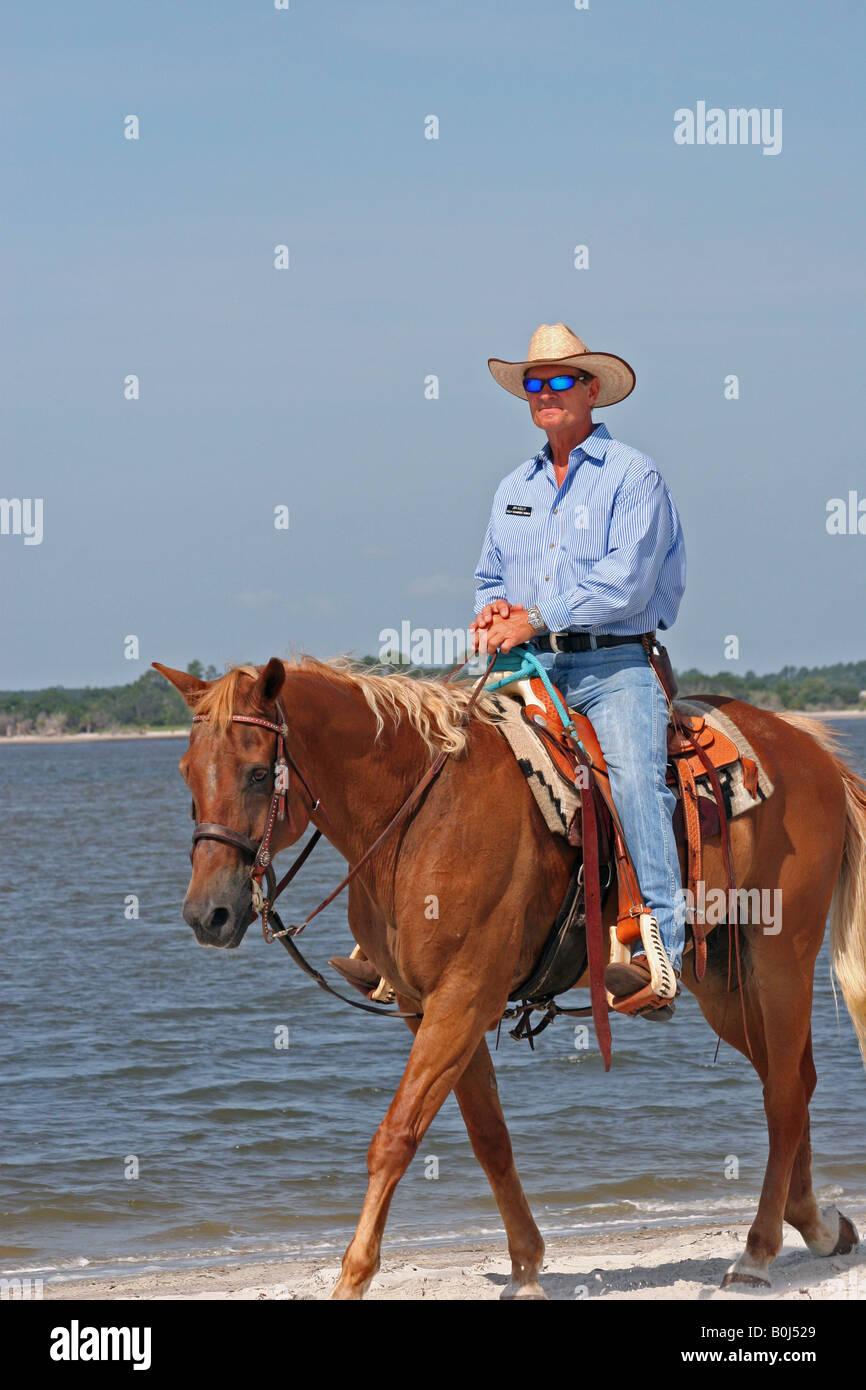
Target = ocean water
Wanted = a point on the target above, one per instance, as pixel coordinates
(149, 1120)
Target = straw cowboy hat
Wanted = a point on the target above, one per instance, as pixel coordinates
(556, 345)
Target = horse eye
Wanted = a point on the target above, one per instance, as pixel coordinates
(260, 774)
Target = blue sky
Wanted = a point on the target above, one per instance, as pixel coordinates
(412, 257)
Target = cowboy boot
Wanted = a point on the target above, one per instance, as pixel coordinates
(625, 981)
(363, 976)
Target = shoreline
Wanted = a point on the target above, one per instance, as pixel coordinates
(95, 738)
(19, 739)
(683, 1263)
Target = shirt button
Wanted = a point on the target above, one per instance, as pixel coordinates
(547, 579)
(553, 545)
(555, 510)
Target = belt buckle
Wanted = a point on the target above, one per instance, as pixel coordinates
(554, 641)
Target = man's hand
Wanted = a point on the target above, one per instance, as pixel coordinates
(501, 626)
(499, 608)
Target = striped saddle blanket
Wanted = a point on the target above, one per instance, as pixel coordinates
(558, 800)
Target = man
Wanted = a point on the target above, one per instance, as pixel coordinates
(584, 552)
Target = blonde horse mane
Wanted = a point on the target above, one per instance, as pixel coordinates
(432, 709)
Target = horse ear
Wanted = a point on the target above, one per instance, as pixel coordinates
(189, 686)
(271, 680)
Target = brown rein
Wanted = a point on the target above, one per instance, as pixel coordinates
(279, 809)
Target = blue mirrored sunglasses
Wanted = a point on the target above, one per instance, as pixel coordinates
(534, 384)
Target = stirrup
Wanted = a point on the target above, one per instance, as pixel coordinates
(663, 986)
(384, 993)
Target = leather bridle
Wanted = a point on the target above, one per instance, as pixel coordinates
(280, 809)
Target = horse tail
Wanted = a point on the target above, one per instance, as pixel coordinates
(848, 908)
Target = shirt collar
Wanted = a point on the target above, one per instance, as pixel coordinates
(593, 447)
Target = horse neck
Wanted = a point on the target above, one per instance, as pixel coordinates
(360, 783)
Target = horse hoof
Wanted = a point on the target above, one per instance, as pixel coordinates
(511, 1292)
(751, 1281)
(848, 1237)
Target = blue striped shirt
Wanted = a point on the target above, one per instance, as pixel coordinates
(602, 553)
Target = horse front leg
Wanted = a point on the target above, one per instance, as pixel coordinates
(478, 1099)
(445, 1041)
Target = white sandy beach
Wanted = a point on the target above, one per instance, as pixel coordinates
(682, 1263)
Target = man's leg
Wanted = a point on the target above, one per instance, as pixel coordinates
(617, 689)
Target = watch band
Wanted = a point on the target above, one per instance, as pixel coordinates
(535, 619)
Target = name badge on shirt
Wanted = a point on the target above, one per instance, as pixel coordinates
(513, 510)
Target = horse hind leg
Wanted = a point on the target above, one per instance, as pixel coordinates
(478, 1099)
(750, 1269)
(827, 1231)
(778, 1013)
(785, 1104)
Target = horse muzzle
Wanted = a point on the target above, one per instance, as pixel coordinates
(219, 921)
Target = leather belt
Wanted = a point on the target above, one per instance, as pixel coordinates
(583, 641)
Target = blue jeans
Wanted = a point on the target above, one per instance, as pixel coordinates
(618, 691)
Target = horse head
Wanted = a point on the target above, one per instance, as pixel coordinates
(233, 770)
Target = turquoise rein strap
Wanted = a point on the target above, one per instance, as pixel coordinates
(521, 663)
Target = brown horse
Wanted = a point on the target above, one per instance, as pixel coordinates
(455, 907)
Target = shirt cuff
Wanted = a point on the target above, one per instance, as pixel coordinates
(555, 613)
(488, 596)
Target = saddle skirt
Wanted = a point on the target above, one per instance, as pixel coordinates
(743, 779)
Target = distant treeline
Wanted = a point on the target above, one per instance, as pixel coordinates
(151, 703)
(842, 686)
(148, 703)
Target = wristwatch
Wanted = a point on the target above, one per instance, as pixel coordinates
(535, 619)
